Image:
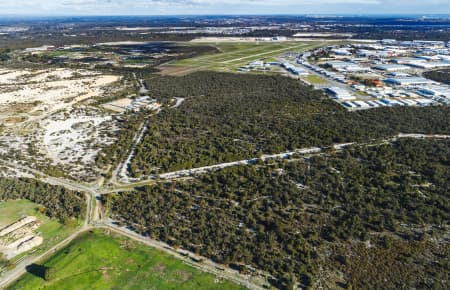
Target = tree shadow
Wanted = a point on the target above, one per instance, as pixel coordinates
(36, 270)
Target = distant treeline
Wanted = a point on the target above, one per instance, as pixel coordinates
(88, 36)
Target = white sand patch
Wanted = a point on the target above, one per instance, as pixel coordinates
(118, 105)
(40, 124)
(76, 138)
(57, 74)
(9, 141)
(105, 80)
(11, 77)
(51, 86)
(121, 102)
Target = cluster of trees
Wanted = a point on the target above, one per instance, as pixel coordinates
(442, 76)
(394, 264)
(284, 216)
(57, 201)
(4, 54)
(38, 36)
(4, 262)
(227, 117)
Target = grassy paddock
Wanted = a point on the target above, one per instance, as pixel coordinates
(313, 79)
(97, 260)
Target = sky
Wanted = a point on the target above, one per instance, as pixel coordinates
(201, 7)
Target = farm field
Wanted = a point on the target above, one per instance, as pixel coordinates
(96, 260)
(233, 55)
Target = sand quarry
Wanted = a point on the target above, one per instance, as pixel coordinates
(20, 237)
(28, 94)
(44, 111)
(75, 137)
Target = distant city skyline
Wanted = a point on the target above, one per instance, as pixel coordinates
(209, 7)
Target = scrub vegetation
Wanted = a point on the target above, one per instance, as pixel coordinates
(228, 117)
(344, 212)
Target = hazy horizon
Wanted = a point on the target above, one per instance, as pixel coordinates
(222, 7)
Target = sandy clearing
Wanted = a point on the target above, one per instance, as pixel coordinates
(106, 80)
(73, 139)
(178, 103)
(52, 88)
(10, 77)
(56, 74)
(121, 102)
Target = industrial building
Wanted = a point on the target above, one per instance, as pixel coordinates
(435, 91)
(392, 67)
(409, 81)
(295, 69)
(342, 51)
(340, 94)
(385, 74)
(344, 66)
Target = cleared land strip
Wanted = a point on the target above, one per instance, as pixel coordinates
(122, 169)
(423, 136)
(238, 53)
(304, 151)
(188, 172)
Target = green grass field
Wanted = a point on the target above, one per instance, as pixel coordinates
(51, 230)
(234, 55)
(313, 79)
(96, 260)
